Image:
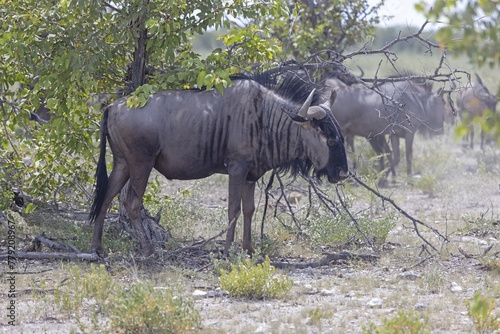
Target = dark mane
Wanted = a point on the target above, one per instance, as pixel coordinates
(289, 85)
(292, 87)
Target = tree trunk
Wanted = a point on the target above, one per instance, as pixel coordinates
(155, 233)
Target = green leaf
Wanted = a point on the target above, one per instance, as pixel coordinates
(29, 208)
(200, 79)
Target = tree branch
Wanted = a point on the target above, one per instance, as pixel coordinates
(415, 221)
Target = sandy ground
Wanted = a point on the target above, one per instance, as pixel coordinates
(345, 296)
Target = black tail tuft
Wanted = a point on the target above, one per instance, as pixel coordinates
(101, 173)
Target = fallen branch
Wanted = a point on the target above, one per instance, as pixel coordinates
(202, 244)
(52, 256)
(29, 272)
(325, 261)
(49, 242)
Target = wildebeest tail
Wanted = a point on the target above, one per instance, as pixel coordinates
(101, 174)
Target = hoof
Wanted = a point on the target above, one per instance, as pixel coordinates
(99, 251)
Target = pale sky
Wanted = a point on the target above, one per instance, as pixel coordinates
(403, 12)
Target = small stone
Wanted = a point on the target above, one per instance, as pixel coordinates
(375, 302)
(310, 289)
(409, 275)
(217, 293)
(419, 306)
(455, 287)
(325, 292)
(199, 294)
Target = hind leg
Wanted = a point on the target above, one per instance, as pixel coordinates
(132, 201)
(117, 179)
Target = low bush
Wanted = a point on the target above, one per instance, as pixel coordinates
(246, 279)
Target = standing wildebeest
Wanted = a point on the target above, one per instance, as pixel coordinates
(359, 116)
(364, 112)
(421, 109)
(472, 102)
(255, 126)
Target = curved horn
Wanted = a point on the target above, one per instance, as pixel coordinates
(305, 107)
(479, 80)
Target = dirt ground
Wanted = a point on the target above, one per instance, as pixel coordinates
(454, 190)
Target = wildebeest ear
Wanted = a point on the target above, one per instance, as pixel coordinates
(295, 117)
(327, 95)
(324, 96)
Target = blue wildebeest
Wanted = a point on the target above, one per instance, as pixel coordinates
(421, 109)
(358, 115)
(363, 112)
(472, 102)
(257, 125)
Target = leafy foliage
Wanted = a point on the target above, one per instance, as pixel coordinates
(471, 27)
(330, 25)
(145, 309)
(404, 322)
(98, 303)
(481, 311)
(341, 231)
(246, 279)
(63, 56)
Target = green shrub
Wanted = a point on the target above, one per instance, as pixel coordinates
(488, 161)
(480, 309)
(246, 279)
(408, 322)
(86, 296)
(144, 309)
(428, 184)
(99, 304)
(317, 314)
(481, 225)
(340, 230)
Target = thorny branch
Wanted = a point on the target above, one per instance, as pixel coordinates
(415, 221)
(334, 63)
(268, 194)
(333, 208)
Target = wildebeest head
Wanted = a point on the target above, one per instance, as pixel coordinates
(319, 118)
(484, 94)
(436, 109)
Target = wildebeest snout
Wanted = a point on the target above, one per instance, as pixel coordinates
(341, 173)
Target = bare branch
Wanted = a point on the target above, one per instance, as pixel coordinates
(415, 221)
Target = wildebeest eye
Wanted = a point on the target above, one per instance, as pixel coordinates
(332, 142)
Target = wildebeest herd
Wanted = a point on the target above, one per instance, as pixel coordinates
(261, 123)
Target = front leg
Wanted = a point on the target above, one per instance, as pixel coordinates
(248, 203)
(409, 152)
(238, 172)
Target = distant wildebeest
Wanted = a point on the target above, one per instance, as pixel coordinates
(257, 125)
(423, 110)
(357, 111)
(472, 102)
(363, 112)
